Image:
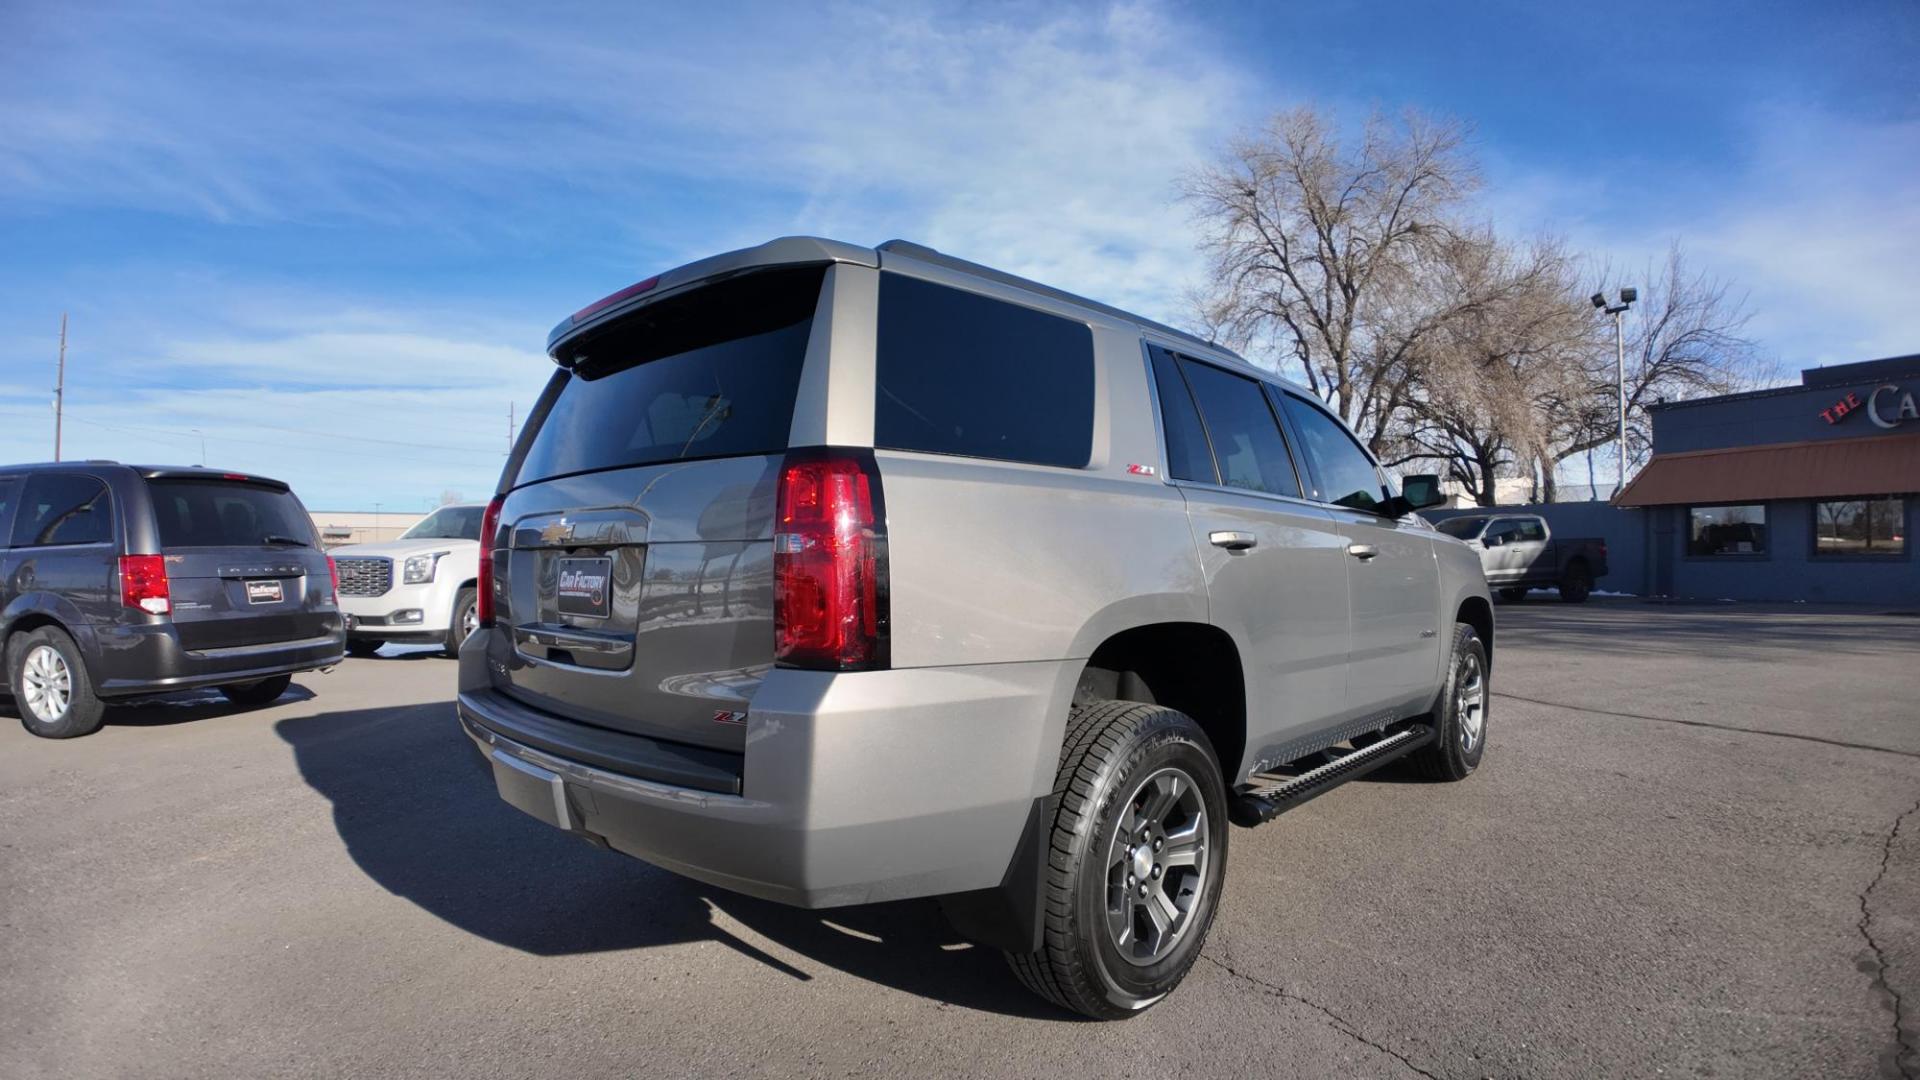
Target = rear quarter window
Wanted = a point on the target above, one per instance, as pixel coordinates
(711, 373)
(63, 508)
(965, 374)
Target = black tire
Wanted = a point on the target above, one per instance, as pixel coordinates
(1119, 756)
(465, 603)
(1459, 743)
(258, 692)
(80, 712)
(1576, 584)
(363, 647)
(1513, 594)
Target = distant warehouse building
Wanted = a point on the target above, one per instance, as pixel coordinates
(340, 527)
(1808, 492)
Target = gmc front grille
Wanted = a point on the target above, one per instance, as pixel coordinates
(364, 576)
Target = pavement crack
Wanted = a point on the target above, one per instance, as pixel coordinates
(1902, 1049)
(1710, 724)
(1335, 1020)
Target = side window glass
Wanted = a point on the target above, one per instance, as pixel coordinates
(1244, 433)
(1532, 530)
(1347, 475)
(63, 508)
(1187, 455)
(9, 497)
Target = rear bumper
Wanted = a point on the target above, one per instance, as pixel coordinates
(854, 788)
(149, 659)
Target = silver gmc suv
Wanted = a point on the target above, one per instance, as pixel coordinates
(835, 574)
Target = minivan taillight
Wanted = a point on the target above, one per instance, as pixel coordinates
(143, 583)
(483, 582)
(830, 563)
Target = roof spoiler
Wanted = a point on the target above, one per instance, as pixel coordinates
(205, 474)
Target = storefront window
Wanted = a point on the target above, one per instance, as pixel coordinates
(1727, 530)
(1860, 527)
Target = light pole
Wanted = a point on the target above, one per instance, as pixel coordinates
(203, 446)
(1627, 296)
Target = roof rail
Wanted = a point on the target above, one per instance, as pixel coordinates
(939, 258)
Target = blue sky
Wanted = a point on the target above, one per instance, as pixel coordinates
(331, 239)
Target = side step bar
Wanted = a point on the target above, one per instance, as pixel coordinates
(1267, 796)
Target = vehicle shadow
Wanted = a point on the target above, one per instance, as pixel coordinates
(415, 805)
(185, 707)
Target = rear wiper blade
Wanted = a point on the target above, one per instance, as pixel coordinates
(276, 538)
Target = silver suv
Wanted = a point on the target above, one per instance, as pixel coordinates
(834, 574)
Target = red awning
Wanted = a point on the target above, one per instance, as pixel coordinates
(1834, 468)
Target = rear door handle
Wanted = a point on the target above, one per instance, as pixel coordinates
(1232, 541)
(1363, 552)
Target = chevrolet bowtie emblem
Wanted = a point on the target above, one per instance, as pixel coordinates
(557, 532)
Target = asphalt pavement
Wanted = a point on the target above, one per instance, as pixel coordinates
(1693, 849)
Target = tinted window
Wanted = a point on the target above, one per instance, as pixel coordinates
(200, 513)
(712, 373)
(1464, 528)
(1243, 431)
(1531, 529)
(1347, 476)
(1727, 530)
(448, 523)
(9, 495)
(961, 373)
(63, 508)
(1850, 527)
(1187, 455)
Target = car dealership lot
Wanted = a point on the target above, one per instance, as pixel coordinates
(1637, 880)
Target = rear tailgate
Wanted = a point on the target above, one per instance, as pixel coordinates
(636, 593)
(242, 563)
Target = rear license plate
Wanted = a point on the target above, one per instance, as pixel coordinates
(265, 592)
(584, 585)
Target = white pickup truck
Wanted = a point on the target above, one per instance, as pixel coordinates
(417, 589)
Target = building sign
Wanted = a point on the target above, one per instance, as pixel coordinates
(1888, 407)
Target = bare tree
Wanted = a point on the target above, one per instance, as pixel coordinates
(1326, 254)
(1684, 339)
(1494, 373)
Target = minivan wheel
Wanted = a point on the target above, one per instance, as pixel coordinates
(1460, 717)
(466, 619)
(50, 685)
(1139, 854)
(259, 691)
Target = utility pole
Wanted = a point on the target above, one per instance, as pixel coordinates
(509, 429)
(60, 388)
(1627, 297)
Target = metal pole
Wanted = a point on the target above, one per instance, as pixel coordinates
(60, 388)
(1620, 384)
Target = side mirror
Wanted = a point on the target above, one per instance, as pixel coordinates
(1416, 493)
(1493, 539)
(1421, 490)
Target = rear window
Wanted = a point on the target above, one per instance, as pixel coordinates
(201, 513)
(711, 373)
(960, 373)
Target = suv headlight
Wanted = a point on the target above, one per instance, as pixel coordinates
(418, 569)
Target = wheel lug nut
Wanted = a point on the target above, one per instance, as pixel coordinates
(1143, 891)
(1131, 880)
(1156, 845)
(1156, 872)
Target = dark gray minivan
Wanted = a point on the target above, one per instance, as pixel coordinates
(119, 581)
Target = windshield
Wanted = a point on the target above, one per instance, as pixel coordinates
(448, 523)
(202, 513)
(1464, 528)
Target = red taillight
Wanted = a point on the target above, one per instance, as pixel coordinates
(830, 563)
(333, 575)
(143, 583)
(606, 302)
(483, 584)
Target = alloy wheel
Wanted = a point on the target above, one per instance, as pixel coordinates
(1470, 702)
(1157, 867)
(47, 684)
